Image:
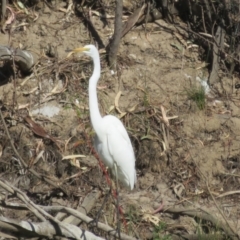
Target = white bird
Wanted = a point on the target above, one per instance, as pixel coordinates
(111, 141)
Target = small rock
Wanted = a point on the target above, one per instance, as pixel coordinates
(132, 56)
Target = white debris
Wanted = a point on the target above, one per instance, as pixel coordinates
(204, 85)
(48, 110)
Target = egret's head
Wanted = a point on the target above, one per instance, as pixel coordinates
(89, 50)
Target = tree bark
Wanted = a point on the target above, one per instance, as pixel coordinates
(217, 48)
(112, 48)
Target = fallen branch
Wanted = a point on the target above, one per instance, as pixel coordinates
(87, 220)
(47, 229)
(88, 203)
(72, 212)
(29, 204)
(36, 210)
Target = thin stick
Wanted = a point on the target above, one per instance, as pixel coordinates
(39, 212)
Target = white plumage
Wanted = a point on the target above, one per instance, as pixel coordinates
(111, 141)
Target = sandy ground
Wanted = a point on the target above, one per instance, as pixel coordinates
(192, 160)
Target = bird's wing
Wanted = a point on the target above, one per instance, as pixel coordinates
(121, 151)
(114, 125)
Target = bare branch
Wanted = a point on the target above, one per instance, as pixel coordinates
(88, 203)
(74, 213)
(44, 229)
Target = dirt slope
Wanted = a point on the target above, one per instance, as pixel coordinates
(192, 160)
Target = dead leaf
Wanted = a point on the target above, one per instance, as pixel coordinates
(150, 218)
(11, 18)
(116, 103)
(23, 106)
(73, 156)
(111, 108)
(36, 16)
(62, 10)
(74, 161)
(31, 91)
(147, 137)
(38, 130)
(122, 114)
(1, 148)
(132, 108)
(70, 54)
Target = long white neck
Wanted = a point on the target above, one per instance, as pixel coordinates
(95, 115)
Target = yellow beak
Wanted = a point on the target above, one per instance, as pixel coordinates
(77, 50)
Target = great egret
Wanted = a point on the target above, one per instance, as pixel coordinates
(111, 141)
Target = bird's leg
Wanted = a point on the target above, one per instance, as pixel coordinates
(95, 220)
(117, 197)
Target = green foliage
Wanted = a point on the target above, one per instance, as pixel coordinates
(78, 112)
(159, 230)
(133, 218)
(133, 214)
(197, 94)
